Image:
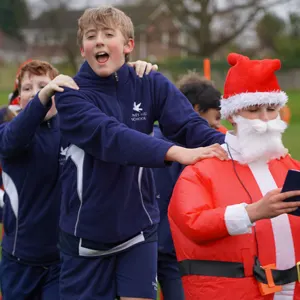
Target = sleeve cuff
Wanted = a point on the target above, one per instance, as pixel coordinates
(163, 149)
(237, 220)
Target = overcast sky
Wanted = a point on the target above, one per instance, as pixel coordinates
(39, 5)
(84, 3)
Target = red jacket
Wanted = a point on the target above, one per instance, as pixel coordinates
(200, 229)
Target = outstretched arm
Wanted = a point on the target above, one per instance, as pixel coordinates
(177, 118)
(83, 124)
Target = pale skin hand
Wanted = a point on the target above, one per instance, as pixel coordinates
(56, 85)
(191, 156)
(272, 205)
(142, 67)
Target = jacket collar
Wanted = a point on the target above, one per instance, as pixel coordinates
(88, 77)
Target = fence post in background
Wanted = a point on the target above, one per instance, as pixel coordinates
(206, 68)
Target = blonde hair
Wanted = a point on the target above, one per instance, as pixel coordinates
(105, 17)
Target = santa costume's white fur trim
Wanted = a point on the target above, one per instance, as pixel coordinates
(237, 102)
(14, 107)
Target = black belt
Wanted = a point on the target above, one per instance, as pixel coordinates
(236, 270)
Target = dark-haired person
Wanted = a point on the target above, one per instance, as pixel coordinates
(205, 99)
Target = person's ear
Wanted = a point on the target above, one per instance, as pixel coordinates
(129, 46)
(82, 52)
(196, 108)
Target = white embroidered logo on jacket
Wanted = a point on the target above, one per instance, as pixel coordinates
(136, 107)
(138, 114)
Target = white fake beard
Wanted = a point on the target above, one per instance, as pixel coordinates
(260, 140)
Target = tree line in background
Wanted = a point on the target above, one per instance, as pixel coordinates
(280, 37)
(213, 27)
(14, 15)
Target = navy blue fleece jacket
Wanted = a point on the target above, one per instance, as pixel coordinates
(108, 190)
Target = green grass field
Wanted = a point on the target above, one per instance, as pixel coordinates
(4, 97)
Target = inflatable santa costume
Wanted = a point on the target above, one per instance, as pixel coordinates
(222, 255)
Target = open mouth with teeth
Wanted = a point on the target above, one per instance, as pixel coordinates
(102, 57)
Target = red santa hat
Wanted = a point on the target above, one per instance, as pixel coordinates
(250, 82)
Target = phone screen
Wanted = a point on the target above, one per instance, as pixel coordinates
(292, 183)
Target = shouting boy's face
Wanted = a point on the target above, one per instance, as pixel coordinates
(30, 85)
(105, 49)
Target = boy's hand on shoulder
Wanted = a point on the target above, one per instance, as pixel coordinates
(191, 156)
(56, 85)
(142, 67)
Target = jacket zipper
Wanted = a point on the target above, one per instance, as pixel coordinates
(116, 77)
(118, 102)
(117, 81)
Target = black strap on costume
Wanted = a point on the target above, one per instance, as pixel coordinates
(235, 270)
(211, 268)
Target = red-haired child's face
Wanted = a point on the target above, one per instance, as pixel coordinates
(31, 84)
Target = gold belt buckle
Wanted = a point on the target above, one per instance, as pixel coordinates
(298, 270)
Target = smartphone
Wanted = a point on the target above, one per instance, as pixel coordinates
(292, 183)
